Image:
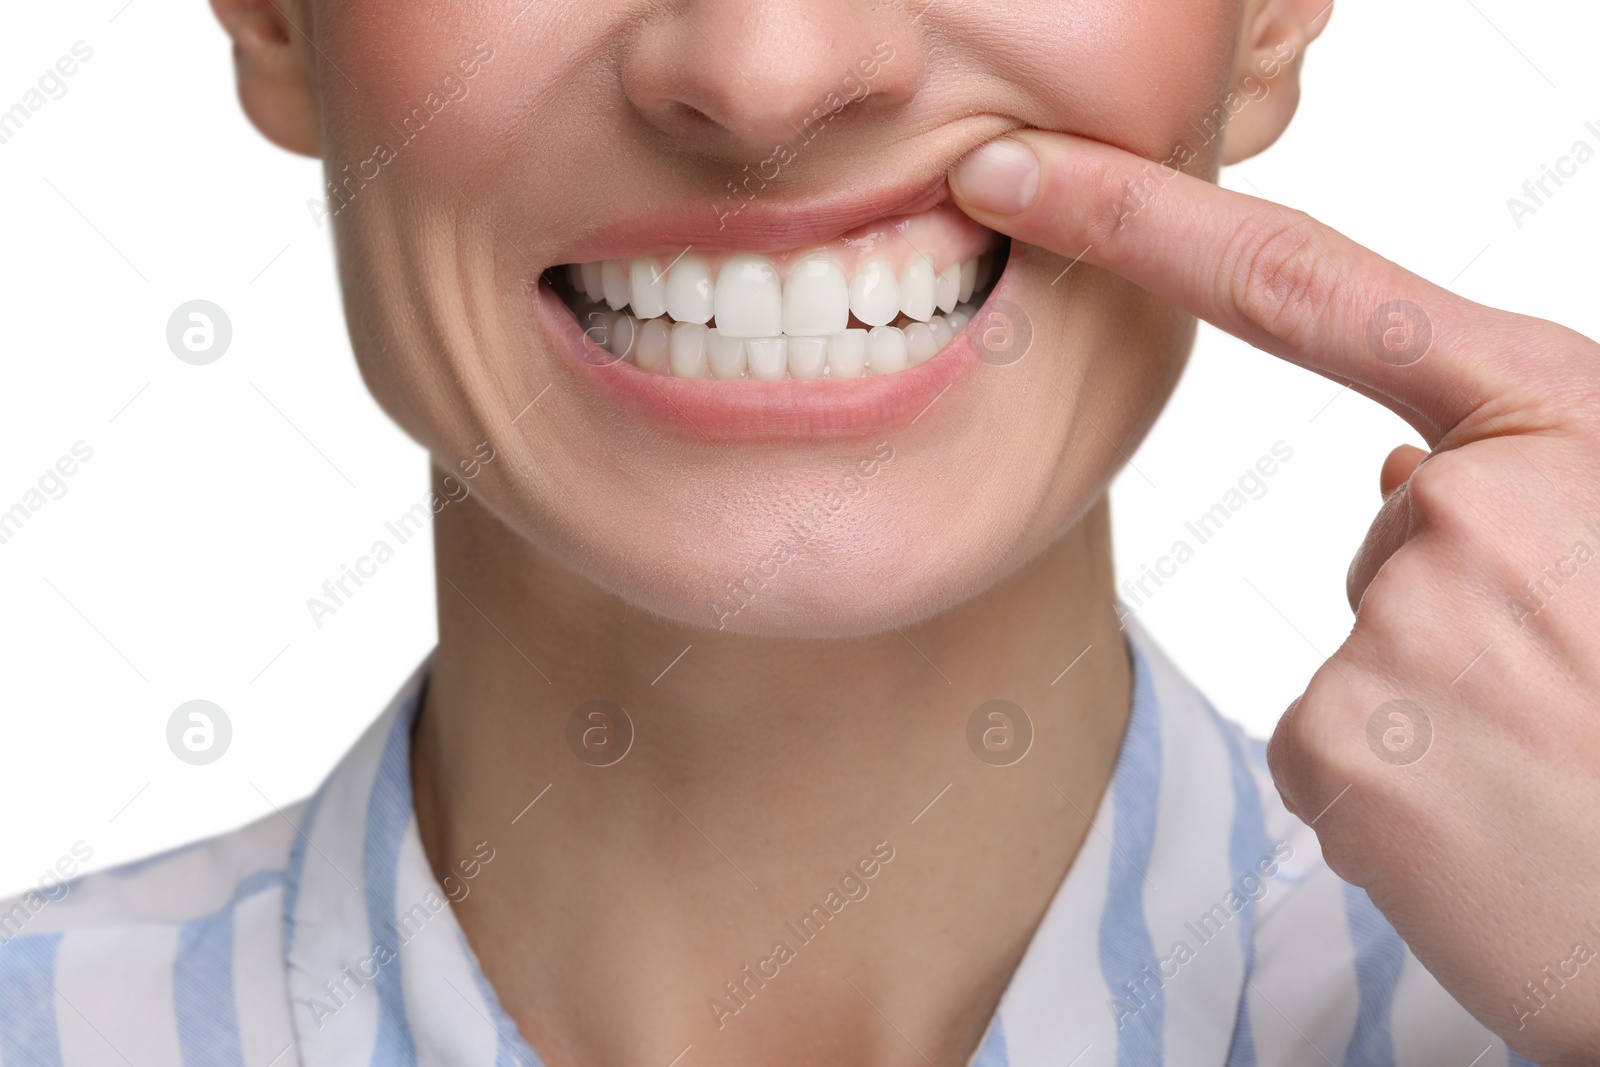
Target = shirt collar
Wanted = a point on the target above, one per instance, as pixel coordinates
(378, 968)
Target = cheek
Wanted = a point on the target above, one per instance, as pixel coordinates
(1139, 75)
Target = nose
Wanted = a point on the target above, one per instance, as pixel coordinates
(740, 76)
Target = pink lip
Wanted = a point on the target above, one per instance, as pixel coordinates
(767, 224)
(723, 412)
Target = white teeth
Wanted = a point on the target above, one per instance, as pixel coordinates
(592, 284)
(772, 329)
(725, 354)
(980, 278)
(875, 292)
(768, 358)
(624, 334)
(916, 289)
(688, 350)
(920, 343)
(947, 288)
(655, 338)
(847, 354)
(808, 357)
(614, 282)
(886, 350)
(749, 298)
(816, 298)
(648, 288)
(689, 290)
(692, 350)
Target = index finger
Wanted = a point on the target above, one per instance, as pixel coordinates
(1275, 277)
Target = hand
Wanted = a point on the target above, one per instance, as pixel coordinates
(1456, 732)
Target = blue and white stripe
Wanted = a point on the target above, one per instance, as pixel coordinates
(257, 949)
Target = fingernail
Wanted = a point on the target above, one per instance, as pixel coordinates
(1002, 177)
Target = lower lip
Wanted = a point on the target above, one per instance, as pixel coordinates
(720, 412)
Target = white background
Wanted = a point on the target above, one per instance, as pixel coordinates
(178, 563)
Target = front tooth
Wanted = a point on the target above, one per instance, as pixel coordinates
(614, 282)
(816, 298)
(886, 350)
(688, 350)
(969, 279)
(749, 298)
(725, 354)
(654, 341)
(947, 288)
(768, 356)
(942, 330)
(958, 321)
(847, 354)
(647, 288)
(593, 287)
(875, 292)
(808, 357)
(920, 343)
(916, 289)
(624, 334)
(689, 290)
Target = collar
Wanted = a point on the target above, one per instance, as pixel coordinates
(1132, 947)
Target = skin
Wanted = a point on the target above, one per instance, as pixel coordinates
(1470, 591)
(833, 709)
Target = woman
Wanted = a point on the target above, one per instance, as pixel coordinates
(782, 710)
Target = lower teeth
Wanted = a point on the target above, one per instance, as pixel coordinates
(691, 350)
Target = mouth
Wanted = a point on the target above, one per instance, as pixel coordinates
(878, 301)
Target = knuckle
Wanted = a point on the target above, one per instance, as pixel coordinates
(1314, 733)
(1398, 589)
(1276, 274)
(1439, 490)
(1316, 750)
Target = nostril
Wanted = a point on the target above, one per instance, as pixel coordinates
(686, 120)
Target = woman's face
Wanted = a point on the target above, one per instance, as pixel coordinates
(772, 176)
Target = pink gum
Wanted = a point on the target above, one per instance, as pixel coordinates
(942, 233)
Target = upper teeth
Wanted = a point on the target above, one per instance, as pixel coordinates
(747, 297)
(768, 327)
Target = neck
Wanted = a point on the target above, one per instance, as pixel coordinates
(753, 773)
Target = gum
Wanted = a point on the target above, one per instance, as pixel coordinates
(942, 233)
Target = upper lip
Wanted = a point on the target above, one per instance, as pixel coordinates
(772, 222)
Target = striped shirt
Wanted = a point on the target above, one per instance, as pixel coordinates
(1198, 925)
